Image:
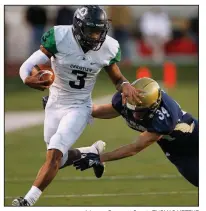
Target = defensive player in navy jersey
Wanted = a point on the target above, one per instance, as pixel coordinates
(160, 119)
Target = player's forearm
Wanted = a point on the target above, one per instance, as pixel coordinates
(120, 82)
(37, 57)
(120, 153)
(104, 111)
(116, 76)
(128, 150)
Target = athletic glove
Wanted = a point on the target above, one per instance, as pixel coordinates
(89, 160)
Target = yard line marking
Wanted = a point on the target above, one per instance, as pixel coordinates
(25, 119)
(86, 178)
(113, 194)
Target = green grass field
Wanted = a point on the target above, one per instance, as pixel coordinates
(147, 179)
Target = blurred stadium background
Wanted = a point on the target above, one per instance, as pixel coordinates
(145, 180)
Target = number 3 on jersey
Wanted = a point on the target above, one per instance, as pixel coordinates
(80, 77)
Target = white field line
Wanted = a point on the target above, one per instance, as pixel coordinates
(135, 177)
(18, 120)
(113, 194)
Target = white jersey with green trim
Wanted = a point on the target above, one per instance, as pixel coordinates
(76, 71)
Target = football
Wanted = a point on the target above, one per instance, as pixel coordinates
(48, 73)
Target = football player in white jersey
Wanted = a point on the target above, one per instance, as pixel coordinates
(78, 52)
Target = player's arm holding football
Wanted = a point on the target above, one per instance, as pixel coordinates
(41, 56)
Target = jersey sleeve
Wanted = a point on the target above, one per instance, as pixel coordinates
(117, 102)
(111, 51)
(48, 41)
(117, 57)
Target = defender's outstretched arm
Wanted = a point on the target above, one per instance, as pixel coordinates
(144, 139)
(105, 111)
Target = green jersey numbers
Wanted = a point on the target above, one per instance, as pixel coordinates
(49, 42)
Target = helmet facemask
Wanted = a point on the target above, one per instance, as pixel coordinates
(88, 40)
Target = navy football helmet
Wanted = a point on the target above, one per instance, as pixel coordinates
(90, 27)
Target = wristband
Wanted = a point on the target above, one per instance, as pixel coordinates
(124, 82)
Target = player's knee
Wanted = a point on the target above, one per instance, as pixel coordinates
(53, 158)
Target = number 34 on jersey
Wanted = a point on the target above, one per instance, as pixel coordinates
(162, 112)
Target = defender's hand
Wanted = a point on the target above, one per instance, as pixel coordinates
(131, 93)
(90, 160)
(34, 82)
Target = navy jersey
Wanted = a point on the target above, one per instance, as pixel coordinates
(179, 128)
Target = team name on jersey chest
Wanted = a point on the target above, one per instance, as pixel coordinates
(77, 67)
